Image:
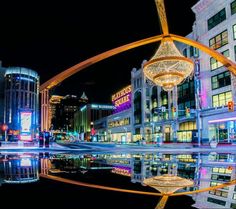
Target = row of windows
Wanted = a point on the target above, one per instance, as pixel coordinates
(222, 170)
(219, 193)
(216, 201)
(216, 19)
(221, 99)
(190, 125)
(219, 40)
(213, 183)
(220, 177)
(221, 80)
(220, 16)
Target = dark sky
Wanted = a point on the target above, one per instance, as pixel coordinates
(51, 36)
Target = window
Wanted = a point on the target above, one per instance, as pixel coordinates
(216, 201)
(219, 40)
(219, 193)
(185, 52)
(234, 196)
(221, 170)
(215, 64)
(233, 205)
(221, 99)
(220, 177)
(233, 7)
(191, 51)
(216, 19)
(220, 80)
(235, 53)
(234, 31)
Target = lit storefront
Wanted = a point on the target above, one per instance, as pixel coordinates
(119, 127)
(223, 130)
(187, 131)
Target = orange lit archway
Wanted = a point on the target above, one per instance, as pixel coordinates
(54, 81)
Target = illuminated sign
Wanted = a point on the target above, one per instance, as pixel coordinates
(25, 162)
(122, 99)
(105, 107)
(117, 123)
(121, 170)
(25, 121)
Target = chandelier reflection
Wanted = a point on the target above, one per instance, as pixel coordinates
(168, 67)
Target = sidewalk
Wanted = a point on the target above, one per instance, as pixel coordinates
(30, 145)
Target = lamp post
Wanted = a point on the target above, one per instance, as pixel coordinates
(125, 134)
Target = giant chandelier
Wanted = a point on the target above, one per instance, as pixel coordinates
(168, 67)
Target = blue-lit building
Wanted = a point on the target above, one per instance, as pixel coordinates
(2, 73)
(84, 119)
(21, 103)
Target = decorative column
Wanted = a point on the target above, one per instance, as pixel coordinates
(45, 110)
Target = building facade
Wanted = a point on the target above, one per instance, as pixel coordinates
(21, 103)
(215, 26)
(84, 119)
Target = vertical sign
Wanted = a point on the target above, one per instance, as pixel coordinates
(25, 123)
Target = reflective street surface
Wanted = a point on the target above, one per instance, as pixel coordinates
(114, 180)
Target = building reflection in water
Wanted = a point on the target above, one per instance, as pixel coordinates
(19, 168)
(206, 170)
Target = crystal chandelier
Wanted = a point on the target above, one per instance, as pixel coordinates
(168, 67)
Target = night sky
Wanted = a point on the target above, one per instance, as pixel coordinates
(51, 36)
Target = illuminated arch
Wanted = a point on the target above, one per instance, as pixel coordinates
(44, 88)
(82, 65)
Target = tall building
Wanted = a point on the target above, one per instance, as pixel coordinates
(21, 102)
(84, 119)
(215, 26)
(53, 102)
(2, 73)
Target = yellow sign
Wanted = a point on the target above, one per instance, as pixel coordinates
(121, 93)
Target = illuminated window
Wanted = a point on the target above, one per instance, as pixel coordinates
(221, 99)
(234, 196)
(214, 64)
(219, 40)
(216, 19)
(219, 193)
(234, 31)
(220, 80)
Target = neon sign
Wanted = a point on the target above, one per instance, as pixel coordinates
(122, 99)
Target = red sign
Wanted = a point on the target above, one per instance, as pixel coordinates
(93, 132)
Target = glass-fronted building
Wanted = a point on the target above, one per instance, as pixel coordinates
(21, 102)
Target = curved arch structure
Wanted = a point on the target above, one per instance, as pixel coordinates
(86, 63)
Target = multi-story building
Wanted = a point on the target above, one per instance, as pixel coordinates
(84, 119)
(215, 26)
(21, 102)
(160, 116)
(53, 102)
(216, 169)
(2, 73)
(62, 109)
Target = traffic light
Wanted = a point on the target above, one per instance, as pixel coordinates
(4, 127)
(187, 111)
(230, 106)
(173, 111)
